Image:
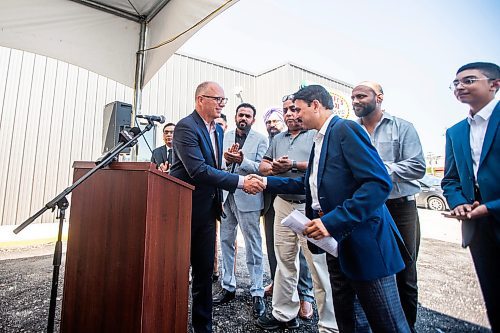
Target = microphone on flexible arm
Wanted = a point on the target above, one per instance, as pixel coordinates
(159, 119)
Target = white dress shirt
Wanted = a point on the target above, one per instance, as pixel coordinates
(313, 177)
(478, 125)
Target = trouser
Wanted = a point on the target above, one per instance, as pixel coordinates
(287, 244)
(484, 248)
(305, 286)
(202, 262)
(249, 223)
(405, 215)
(378, 298)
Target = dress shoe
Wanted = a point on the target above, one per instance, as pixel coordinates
(306, 310)
(271, 323)
(259, 307)
(268, 290)
(223, 297)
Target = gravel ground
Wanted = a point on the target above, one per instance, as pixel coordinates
(450, 300)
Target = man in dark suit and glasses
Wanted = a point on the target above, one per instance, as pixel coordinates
(197, 161)
(162, 156)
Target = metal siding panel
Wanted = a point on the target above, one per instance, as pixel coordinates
(110, 92)
(4, 69)
(43, 147)
(56, 139)
(80, 113)
(102, 84)
(63, 179)
(161, 93)
(90, 117)
(18, 137)
(32, 135)
(153, 96)
(10, 69)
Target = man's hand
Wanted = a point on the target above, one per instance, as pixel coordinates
(253, 184)
(468, 212)
(164, 167)
(265, 167)
(233, 154)
(316, 229)
(281, 165)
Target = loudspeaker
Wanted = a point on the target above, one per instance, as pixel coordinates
(117, 116)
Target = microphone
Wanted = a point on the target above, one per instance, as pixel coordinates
(160, 119)
(127, 135)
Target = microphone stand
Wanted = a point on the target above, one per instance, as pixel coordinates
(126, 140)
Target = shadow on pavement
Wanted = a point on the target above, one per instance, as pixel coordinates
(25, 293)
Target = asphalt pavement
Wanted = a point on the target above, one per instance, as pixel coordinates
(449, 295)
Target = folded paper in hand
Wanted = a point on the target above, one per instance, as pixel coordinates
(297, 222)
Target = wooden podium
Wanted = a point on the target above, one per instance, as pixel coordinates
(127, 260)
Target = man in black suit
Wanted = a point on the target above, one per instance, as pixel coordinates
(162, 156)
(197, 161)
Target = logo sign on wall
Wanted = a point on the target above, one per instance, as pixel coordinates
(341, 105)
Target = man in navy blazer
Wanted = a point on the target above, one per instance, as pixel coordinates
(346, 185)
(197, 161)
(472, 176)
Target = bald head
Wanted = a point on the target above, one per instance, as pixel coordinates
(204, 86)
(377, 88)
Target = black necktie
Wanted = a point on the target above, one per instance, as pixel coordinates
(169, 156)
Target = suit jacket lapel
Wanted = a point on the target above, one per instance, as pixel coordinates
(324, 148)
(205, 134)
(491, 131)
(465, 141)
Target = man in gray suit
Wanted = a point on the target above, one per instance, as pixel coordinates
(243, 151)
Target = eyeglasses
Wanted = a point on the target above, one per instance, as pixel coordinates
(219, 100)
(466, 82)
(287, 98)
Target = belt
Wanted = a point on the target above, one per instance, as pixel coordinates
(295, 201)
(319, 212)
(401, 200)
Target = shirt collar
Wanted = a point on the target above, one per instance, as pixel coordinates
(485, 112)
(287, 133)
(385, 115)
(322, 131)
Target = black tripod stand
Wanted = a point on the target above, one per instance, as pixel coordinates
(126, 139)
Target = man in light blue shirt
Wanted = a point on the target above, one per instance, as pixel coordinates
(398, 144)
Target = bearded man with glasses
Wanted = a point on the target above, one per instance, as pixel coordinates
(471, 176)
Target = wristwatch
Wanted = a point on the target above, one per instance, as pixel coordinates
(294, 166)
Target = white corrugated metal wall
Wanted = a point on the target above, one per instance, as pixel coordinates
(51, 115)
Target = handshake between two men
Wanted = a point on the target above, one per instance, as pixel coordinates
(314, 229)
(253, 184)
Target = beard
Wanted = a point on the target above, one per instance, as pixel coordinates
(363, 111)
(243, 126)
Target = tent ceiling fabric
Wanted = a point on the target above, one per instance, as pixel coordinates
(97, 40)
(145, 8)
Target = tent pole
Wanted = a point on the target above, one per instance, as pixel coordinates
(138, 81)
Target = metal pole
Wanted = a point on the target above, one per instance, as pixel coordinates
(138, 81)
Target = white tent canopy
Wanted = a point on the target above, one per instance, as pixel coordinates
(104, 36)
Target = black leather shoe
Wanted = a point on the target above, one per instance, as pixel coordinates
(223, 297)
(271, 323)
(259, 307)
